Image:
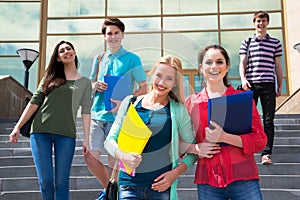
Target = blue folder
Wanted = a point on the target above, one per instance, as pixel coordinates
(118, 88)
(233, 112)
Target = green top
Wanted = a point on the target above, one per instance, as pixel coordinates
(57, 112)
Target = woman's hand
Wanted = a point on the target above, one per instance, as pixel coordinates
(133, 160)
(164, 181)
(214, 135)
(13, 137)
(85, 147)
(207, 149)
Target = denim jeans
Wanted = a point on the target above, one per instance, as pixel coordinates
(267, 94)
(238, 190)
(142, 193)
(57, 183)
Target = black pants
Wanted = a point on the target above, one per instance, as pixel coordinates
(267, 94)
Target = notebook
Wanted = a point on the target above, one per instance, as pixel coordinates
(118, 89)
(133, 137)
(233, 112)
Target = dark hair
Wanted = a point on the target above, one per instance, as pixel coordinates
(112, 22)
(261, 14)
(223, 52)
(54, 75)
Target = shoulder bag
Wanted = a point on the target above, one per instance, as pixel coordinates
(25, 129)
(112, 189)
(240, 87)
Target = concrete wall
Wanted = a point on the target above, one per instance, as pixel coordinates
(292, 24)
(291, 105)
(12, 98)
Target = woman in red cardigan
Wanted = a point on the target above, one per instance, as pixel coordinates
(231, 172)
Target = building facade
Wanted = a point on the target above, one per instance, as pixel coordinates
(158, 27)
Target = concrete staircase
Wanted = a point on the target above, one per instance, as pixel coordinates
(280, 181)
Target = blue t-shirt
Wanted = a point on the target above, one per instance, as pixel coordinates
(156, 154)
(120, 63)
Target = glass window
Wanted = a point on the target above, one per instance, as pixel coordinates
(75, 26)
(11, 48)
(177, 27)
(14, 67)
(86, 48)
(284, 86)
(187, 45)
(186, 85)
(145, 24)
(245, 5)
(69, 8)
(191, 23)
(19, 21)
(190, 6)
(246, 21)
(133, 7)
(198, 83)
(147, 46)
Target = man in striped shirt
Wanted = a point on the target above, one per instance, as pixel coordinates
(261, 71)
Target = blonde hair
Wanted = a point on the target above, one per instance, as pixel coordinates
(177, 92)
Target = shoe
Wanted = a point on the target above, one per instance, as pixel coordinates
(266, 160)
(101, 195)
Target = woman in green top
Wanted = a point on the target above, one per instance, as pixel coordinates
(56, 102)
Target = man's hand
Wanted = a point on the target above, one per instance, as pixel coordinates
(246, 85)
(100, 86)
(116, 108)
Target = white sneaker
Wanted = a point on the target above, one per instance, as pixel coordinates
(266, 160)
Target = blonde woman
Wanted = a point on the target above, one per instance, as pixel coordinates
(163, 111)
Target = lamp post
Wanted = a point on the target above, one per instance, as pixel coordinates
(297, 47)
(28, 57)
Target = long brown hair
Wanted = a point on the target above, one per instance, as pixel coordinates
(201, 55)
(54, 75)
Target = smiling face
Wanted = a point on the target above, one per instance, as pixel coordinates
(163, 79)
(214, 67)
(261, 25)
(66, 53)
(113, 37)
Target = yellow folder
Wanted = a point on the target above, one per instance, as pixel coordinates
(134, 135)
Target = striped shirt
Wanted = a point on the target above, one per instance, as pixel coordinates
(261, 59)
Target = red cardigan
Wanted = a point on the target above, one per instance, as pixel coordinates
(232, 163)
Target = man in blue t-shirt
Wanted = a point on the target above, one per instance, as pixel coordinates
(115, 62)
(261, 71)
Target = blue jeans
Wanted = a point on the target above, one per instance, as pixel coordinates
(238, 190)
(141, 193)
(41, 146)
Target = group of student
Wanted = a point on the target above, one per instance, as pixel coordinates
(180, 132)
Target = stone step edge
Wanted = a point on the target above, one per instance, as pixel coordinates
(84, 165)
(181, 189)
(181, 176)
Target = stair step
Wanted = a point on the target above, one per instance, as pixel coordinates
(82, 170)
(287, 133)
(287, 127)
(281, 158)
(278, 181)
(86, 182)
(268, 194)
(28, 160)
